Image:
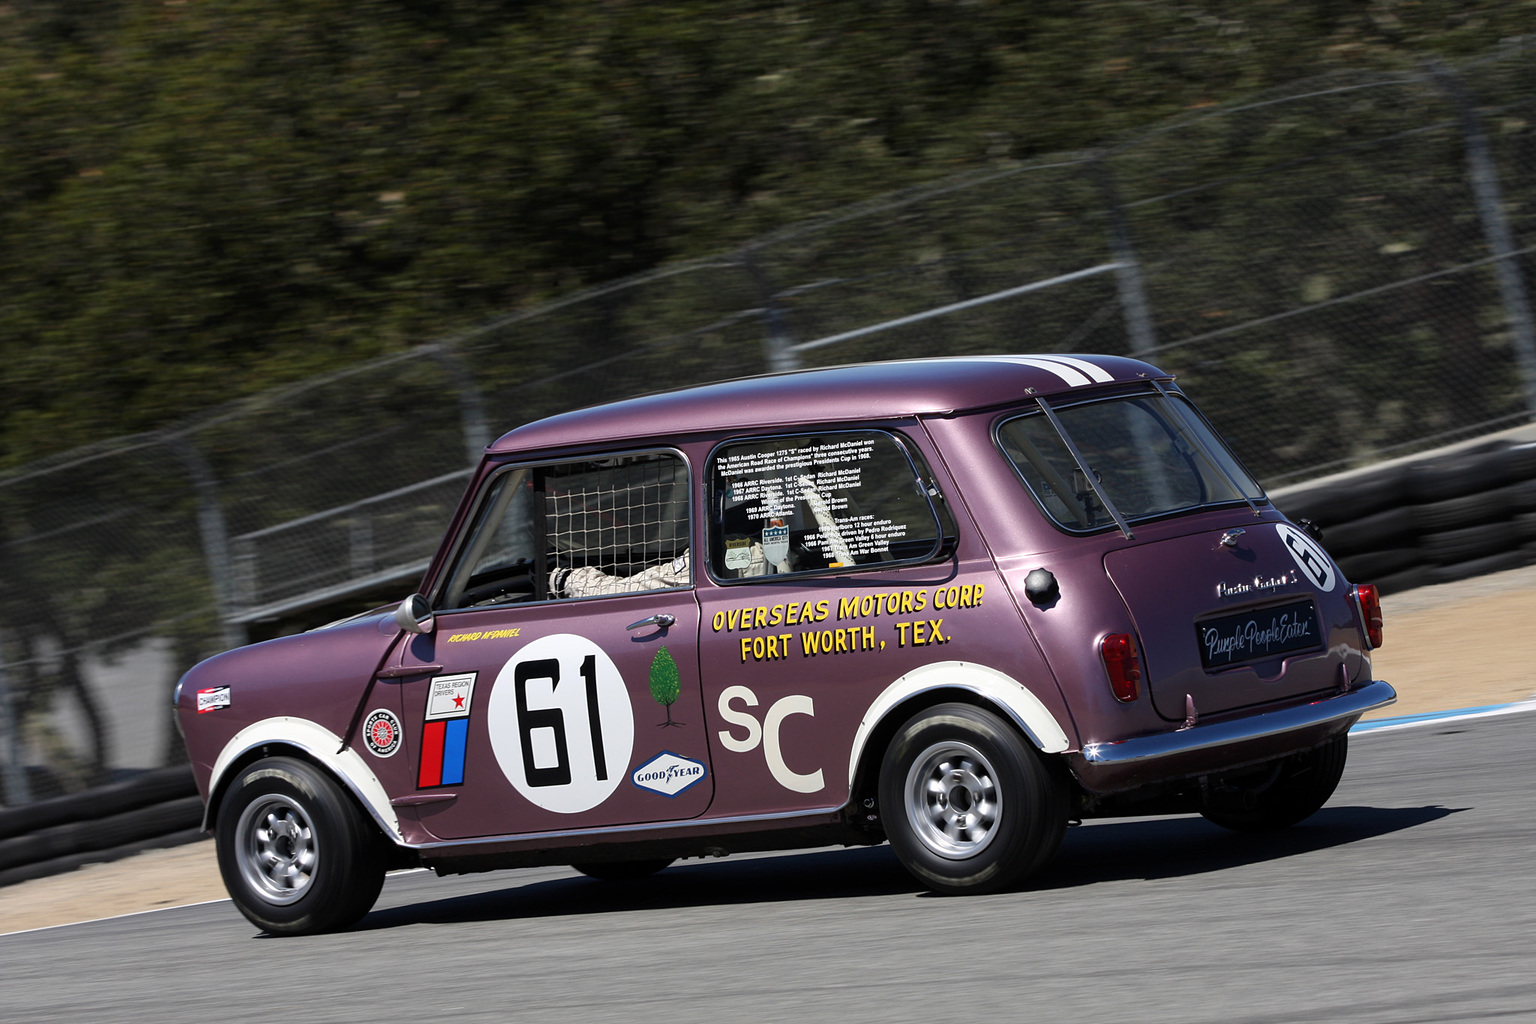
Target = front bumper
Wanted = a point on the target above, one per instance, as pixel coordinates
(1225, 744)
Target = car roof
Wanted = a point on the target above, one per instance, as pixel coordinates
(863, 391)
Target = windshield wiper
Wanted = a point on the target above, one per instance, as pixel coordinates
(1082, 464)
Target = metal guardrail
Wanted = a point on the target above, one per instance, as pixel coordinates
(386, 538)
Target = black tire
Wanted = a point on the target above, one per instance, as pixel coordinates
(1340, 502)
(1014, 809)
(1522, 496)
(295, 850)
(1371, 564)
(1481, 566)
(1278, 794)
(623, 870)
(1389, 529)
(1456, 546)
(1460, 513)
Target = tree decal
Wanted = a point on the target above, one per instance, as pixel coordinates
(666, 686)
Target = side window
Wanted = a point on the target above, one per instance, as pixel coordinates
(817, 503)
(576, 529)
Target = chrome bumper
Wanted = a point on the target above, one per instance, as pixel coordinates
(1351, 705)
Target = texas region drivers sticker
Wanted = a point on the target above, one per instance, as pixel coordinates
(381, 731)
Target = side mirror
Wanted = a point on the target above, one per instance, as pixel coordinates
(415, 615)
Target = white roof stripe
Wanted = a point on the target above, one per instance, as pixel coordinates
(1074, 372)
(1068, 375)
(1098, 373)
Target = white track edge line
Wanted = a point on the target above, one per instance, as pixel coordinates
(1441, 717)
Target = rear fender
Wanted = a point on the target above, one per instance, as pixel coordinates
(996, 688)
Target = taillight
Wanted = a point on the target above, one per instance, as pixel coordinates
(1122, 664)
(1369, 603)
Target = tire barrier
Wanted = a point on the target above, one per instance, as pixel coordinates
(1437, 520)
(156, 808)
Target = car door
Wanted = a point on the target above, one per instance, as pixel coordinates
(831, 574)
(559, 688)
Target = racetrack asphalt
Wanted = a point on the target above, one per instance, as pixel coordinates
(1410, 897)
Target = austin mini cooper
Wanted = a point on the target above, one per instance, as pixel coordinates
(949, 604)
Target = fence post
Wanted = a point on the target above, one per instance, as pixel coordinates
(211, 530)
(777, 351)
(1490, 211)
(13, 774)
(1133, 296)
(471, 409)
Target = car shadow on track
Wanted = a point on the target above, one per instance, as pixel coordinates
(1107, 851)
(1175, 847)
(824, 874)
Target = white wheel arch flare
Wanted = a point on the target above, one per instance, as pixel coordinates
(999, 688)
(321, 745)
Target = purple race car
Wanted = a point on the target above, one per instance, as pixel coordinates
(952, 604)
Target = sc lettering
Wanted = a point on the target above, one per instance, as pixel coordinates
(767, 734)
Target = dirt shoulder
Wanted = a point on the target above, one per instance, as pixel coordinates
(1445, 647)
(1459, 645)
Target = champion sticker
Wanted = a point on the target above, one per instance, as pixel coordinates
(381, 732)
(668, 774)
(212, 699)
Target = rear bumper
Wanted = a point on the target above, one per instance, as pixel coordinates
(1105, 767)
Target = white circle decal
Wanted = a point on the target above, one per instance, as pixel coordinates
(561, 724)
(1310, 557)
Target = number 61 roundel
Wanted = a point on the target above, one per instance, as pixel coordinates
(561, 724)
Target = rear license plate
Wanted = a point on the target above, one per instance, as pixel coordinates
(1258, 634)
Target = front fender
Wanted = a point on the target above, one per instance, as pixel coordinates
(998, 688)
(320, 745)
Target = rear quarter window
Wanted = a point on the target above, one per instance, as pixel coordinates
(818, 503)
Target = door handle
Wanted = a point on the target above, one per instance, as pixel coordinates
(660, 619)
(402, 671)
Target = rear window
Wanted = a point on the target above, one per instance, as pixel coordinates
(1149, 455)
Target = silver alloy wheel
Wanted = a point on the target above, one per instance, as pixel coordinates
(278, 850)
(952, 801)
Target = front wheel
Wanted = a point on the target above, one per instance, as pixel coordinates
(295, 851)
(1279, 793)
(967, 805)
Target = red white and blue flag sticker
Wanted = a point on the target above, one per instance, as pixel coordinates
(445, 733)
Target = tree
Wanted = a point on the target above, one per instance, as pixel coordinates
(666, 686)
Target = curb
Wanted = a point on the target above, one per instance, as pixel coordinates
(1433, 717)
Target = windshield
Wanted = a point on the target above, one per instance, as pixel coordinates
(1149, 454)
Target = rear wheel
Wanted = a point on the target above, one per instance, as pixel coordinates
(295, 851)
(967, 805)
(622, 870)
(1279, 793)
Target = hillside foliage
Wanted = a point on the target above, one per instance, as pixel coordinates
(203, 199)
